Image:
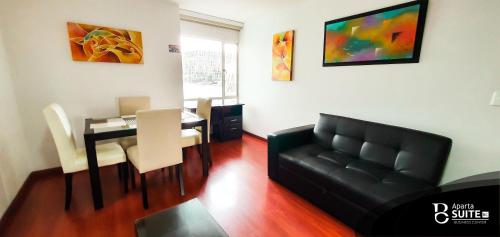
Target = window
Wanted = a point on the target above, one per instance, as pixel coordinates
(209, 69)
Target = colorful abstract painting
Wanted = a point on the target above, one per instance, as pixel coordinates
(104, 44)
(282, 56)
(389, 35)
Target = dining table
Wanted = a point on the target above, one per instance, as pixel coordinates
(125, 126)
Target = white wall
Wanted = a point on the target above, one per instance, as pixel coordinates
(36, 39)
(14, 152)
(446, 93)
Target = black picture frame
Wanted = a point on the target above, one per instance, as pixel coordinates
(418, 38)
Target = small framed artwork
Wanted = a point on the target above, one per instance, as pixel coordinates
(90, 43)
(174, 48)
(282, 56)
(389, 35)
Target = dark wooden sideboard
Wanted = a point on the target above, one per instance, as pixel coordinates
(226, 121)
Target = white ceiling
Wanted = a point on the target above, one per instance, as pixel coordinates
(237, 10)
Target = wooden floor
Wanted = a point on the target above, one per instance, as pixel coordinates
(238, 193)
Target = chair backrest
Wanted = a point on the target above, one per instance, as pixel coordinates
(131, 104)
(61, 132)
(204, 110)
(158, 139)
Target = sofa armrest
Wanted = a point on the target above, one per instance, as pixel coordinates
(284, 140)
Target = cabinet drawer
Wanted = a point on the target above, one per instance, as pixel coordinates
(232, 110)
(232, 120)
(233, 131)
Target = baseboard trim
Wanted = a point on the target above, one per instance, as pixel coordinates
(23, 193)
(256, 136)
(45, 172)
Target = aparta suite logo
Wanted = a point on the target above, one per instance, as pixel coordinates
(457, 213)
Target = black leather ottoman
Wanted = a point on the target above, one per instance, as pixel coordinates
(186, 219)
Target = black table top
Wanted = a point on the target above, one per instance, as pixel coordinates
(186, 219)
(188, 120)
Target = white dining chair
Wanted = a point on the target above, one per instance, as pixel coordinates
(74, 159)
(158, 146)
(128, 106)
(193, 137)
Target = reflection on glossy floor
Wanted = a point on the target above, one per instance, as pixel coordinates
(237, 193)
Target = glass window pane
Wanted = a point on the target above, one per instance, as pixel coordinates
(216, 102)
(230, 101)
(230, 64)
(190, 104)
(201, 67)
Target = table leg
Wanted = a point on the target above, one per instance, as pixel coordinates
(95, 180)
(204, 147)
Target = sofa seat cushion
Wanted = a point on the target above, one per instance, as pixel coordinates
(363, 182)
(306, 160)
(339, 158)
(372, 186)
(396, 185)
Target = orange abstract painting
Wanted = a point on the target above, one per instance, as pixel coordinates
(282, 56)
(91, 43)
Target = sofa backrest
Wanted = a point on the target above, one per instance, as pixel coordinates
(414, 153)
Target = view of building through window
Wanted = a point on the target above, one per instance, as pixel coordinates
(209, 69)
(231, 69)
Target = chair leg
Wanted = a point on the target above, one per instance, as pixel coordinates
(124, 166)
(144, 191)
(184, 153)
(198, 148)
(170, 172)
(132, 174)
(120, 172)
(200, 153)
(178, 170)
(69, 189)
(209, 155)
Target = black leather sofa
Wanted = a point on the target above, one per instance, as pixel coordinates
(356, 170)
